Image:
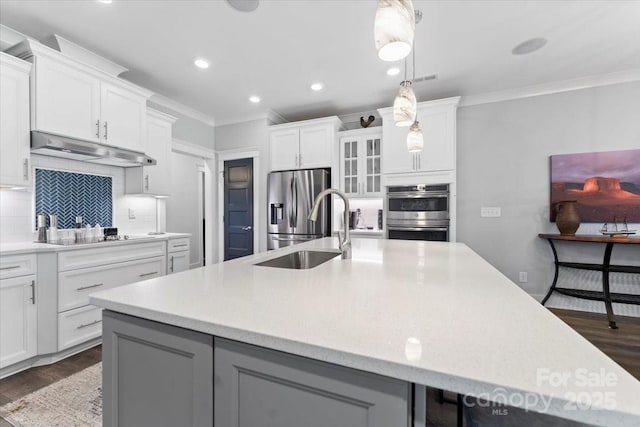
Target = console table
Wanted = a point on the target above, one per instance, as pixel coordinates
(605, 267)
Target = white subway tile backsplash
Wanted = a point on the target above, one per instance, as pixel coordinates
(17, 207)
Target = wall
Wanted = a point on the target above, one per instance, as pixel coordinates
(248, 136)
(503, 160)
(188, 129)
(17, 207)
(183, 209)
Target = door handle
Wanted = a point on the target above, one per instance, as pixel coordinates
(247, 228)
(86, 325)
(171, 263)
(105, 130)
(146, 181)
(89, 286)
(148, 274)
(98, 129)
(33, 291)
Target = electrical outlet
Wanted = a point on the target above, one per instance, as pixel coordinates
(490, 212)
(523, 277)
(132, 214)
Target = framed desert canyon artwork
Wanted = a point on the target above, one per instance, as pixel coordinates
(605, 184)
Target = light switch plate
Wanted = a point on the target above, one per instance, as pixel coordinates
(490, 212)
(132, 214)
(522, 277)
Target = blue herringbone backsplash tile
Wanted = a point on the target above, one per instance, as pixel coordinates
(69, 194)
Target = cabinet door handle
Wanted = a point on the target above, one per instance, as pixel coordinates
(106, 129)
(300, 160)
(33, 292)
(89, 286)
(419, 161)
(86, 325)
(146, 182)
(11, 267)
(295, 160)
(148, 274)
(183, 245)
(25, 169)
(98, 129)
(171, 264)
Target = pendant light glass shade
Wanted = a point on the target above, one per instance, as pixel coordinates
(415, 140)
(394, 28)
(405, 105)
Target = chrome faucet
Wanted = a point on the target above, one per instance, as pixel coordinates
(344, 240)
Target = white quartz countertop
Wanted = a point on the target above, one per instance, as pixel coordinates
(33, 247)
(432, 313)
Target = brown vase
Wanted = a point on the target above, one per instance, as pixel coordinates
(567, 218)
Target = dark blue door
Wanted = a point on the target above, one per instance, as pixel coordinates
(238, 208)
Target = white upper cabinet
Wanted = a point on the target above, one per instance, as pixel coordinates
(303, 145)
(14, 122)
(69, 98)
(123, 118)
(361, 162)
(66, 100)
(438, 123)
(154, 180)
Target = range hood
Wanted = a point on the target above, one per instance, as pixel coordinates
(76, 149)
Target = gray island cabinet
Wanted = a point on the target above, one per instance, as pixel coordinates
(241, 344)
(161, 375)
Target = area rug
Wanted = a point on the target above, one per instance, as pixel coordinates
(73, 401)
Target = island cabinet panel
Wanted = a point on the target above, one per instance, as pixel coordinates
(155, 374)
(257, 386)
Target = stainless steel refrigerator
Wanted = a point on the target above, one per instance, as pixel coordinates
(290, 197)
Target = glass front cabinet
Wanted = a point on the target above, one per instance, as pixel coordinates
(360, 162)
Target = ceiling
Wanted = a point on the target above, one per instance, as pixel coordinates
(279, 49)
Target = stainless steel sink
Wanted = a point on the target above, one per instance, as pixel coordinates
(300, 260)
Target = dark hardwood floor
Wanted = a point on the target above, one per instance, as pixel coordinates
(622, 345)
(25, 382)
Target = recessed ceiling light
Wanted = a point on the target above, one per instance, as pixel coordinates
(316, 86)
(254, 99)
(105, 1)
(244, 5)
(529, 46)
(393, 71)
(201, 63)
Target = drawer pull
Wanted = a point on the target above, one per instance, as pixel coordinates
(180, 246)
(11, 267)
(89, 286)
(33, 292)
(86, 325)
(149, 274)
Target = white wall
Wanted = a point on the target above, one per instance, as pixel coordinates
(503, 160)
(251, 135)
(188, 129)
(17, 207)
(182, 208)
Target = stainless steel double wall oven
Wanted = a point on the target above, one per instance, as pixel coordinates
(418, 212)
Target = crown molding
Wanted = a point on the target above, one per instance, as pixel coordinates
(17, 63)
(272, 118)
(189, 148)
(161, 115)
(627, 76)
(9, 37)
(182, 109)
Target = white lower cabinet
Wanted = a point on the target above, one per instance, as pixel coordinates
(75, 286)
(178, 254)
(18, 309)
(79, 325)
(18, 320)
(85, 271)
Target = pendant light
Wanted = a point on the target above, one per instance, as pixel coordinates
(405, 104)
(394, 28)
(415, 139)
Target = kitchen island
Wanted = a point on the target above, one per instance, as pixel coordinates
(427, 313)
